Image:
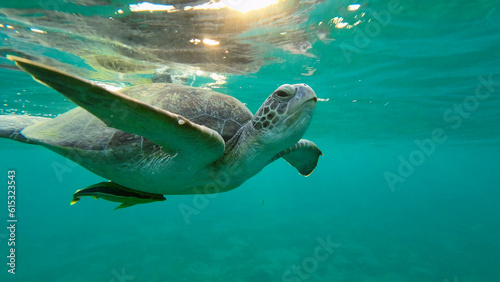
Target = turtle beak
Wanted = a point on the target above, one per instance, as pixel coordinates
(305, 97)
(306, 92)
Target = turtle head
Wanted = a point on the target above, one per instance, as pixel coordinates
(285, 115)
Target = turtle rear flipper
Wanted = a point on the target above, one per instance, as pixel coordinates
(12, 125)
(113, 192)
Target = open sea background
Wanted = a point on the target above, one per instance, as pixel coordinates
(409, 124)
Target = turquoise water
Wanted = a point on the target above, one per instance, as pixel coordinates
(409, 125)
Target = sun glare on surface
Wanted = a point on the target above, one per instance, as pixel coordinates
(210, 42)
(247, 6)
(353, 7)
(146, 6)
(37, 30)
(242, 6)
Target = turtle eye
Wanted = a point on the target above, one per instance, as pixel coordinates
(284, 91)
(281, 94)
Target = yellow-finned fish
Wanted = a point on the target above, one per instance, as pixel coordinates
(116, 193)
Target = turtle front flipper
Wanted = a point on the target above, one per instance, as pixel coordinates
(174, 133)
(303, 156)
(116, 193)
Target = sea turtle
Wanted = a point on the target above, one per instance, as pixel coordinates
(166, 139)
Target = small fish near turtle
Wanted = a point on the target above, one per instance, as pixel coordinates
(161, 139)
